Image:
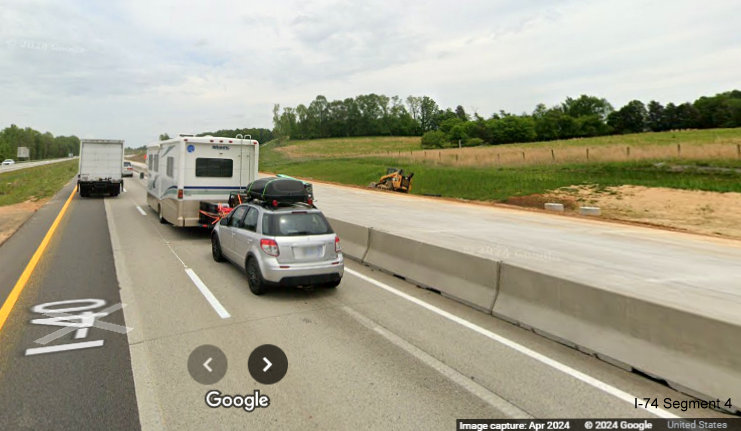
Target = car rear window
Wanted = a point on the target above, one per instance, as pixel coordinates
(127, 164)
(295, 224)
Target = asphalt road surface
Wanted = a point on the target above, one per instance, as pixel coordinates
(79, 380)
(375, 353)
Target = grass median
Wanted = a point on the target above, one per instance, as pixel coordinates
(35, 183)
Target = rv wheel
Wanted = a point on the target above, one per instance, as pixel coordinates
(159, 212)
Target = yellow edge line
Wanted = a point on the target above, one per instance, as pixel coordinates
(26, 275)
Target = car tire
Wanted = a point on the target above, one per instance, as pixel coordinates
(254, 278)
(216, 248)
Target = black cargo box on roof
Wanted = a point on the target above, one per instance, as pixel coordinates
(283, 190)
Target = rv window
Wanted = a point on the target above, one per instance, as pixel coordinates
(221, 168)
(171, 167)
(149, 161)
(156, 163)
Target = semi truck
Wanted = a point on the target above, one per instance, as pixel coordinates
(191, 178)
(100, 167)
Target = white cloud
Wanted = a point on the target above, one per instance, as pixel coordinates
(134, 69)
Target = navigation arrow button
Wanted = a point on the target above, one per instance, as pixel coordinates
(268, 364)
(207, 364)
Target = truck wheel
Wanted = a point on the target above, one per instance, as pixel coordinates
(254, 278)
(83, 191)
(216, 248)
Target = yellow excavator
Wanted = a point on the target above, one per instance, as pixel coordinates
(394, 180)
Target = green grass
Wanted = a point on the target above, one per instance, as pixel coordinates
(500, 184)
(504, 182)
(35, 183)
(339, 147)
(358, 146)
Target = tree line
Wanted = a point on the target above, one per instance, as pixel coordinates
(585, 116)
(40, 145)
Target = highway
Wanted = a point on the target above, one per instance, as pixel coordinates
(688, 271)
(375, 353)
(23, 165)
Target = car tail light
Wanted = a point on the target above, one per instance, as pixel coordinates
(275, 203)
(270, 247)
(337, 246)
(180, 193)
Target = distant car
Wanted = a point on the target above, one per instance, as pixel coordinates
(128, 170)
(7, 162)
(290, 245)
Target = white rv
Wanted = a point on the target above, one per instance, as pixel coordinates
(186, 171)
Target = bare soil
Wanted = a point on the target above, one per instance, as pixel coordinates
(13, 216)
(707, 213)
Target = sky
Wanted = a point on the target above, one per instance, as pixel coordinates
(135, 69)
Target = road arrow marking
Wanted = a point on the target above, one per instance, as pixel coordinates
(269, 364)
(205, 365)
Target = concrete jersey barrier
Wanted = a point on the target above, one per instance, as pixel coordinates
(694, 354)
(353, 238)
(464, 277)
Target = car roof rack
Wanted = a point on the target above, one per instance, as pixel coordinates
(237, 198)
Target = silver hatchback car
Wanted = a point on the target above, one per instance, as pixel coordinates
(287, 246)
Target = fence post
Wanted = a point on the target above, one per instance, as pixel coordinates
(679, 150)
(553, 155)
(523, 155)
(498, 158)
(456, 157)
(627, 151)
(738, 150)
(439, 155)
(587, 153)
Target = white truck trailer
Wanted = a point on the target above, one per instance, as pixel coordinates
(189, 176)
(100, 167)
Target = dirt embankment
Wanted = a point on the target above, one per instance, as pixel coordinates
(13, 216)
(708, 213)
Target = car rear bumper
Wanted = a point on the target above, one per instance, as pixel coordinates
(303, 273)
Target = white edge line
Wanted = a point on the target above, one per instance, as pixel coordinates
(141, 210)
(207, 293)
(605, 387)
(474, 388)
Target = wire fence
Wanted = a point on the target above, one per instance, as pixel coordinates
(504, 156)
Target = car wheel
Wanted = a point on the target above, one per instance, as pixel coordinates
(254, 278)
(216, 248)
